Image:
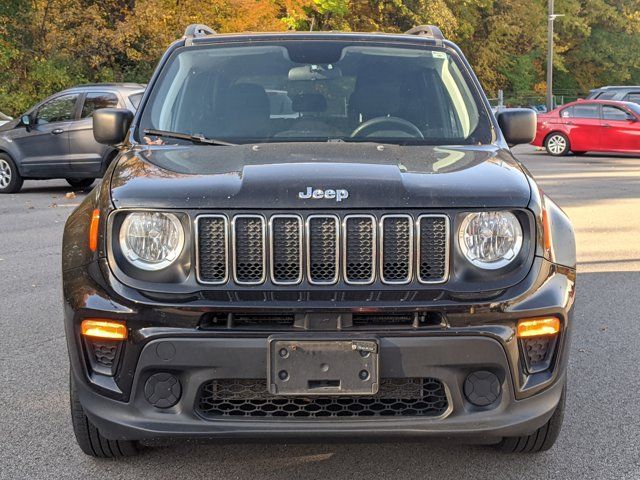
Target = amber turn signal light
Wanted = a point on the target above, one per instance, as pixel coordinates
(538, 327)
(93, 230)
(103, 329)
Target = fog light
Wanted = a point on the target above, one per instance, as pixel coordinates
(162, 390)
(103, 329)
(536, 327)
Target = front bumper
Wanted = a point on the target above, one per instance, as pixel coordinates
(196, 361)
(478, 335)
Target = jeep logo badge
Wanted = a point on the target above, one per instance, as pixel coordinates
(329, 194)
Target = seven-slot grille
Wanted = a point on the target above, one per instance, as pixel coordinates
(322, 249)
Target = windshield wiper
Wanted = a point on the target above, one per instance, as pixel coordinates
(194, 138)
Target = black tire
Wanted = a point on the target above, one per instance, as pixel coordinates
(88, 436)
(557, 144)
(542, 439)
(80, 183)
(10, 179)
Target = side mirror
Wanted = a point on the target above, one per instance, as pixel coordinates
(518, 125)
(25, 120)
(110, 125)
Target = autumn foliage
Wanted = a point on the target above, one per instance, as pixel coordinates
(47, 45)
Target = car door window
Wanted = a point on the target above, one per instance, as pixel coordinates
(614, 113)
(606, 96)
(135, 99)
(633, 97)
(585, 111)
(567, 112)
(96, 100)
(59, 109)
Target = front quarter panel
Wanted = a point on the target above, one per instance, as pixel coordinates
(563, 239)
(75, 240)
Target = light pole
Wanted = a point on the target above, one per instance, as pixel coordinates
(550, 19)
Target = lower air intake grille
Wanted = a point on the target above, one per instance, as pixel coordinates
(249, 398)
(103, 354)
(249, 236)
(538, 352)
(432, 249)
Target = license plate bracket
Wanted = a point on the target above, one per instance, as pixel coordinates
(321, 367)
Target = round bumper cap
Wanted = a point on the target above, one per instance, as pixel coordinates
(482, 388)
(162, 390)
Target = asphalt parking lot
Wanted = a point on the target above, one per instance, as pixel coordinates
(601, 435)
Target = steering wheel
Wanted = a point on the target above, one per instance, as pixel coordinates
(386, 123)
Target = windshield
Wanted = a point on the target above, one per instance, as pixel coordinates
(317, 91)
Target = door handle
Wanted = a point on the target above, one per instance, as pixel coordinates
(57, 131)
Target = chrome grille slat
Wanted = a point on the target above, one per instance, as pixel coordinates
(286, 249)
(433, 248)
(212, 249)
(249, 248)
(396, 250)
(359, 249)
(322, 232)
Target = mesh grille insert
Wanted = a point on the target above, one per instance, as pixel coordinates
(323, 244)
(397, 246)
(433, 249)
(212, 248)
(285, 244)
(250, 398)
(359, 249)
(249, 249)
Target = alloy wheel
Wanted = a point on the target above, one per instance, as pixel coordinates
(557, 144)
(5, 173)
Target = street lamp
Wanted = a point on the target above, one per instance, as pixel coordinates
(550, 19)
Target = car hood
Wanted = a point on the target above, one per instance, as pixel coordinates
(272, 176)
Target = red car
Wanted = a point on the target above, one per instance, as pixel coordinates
(590, 125)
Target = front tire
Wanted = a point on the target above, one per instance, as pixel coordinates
(88, 436)
(10, 179)
(540, 440)
(557, 144)
(80, 183)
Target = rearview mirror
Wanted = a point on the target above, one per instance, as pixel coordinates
(518, 125)
(110, 125)
(311, 73)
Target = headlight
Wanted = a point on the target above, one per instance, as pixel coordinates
(490, 240)
(151, 240)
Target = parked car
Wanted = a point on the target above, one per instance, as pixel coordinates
(617, 93)
(379, 264)
(4, 119)
(54, 139)
(590, 126)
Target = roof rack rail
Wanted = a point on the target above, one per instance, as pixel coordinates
(430, 31)
(197, 30)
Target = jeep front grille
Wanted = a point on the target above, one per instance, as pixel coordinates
(288, 249)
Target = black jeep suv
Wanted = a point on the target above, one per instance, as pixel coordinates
(362, 256)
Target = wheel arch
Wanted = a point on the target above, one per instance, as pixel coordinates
(565, 134)
(5, 151)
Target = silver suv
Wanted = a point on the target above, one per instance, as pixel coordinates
(54, 139)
